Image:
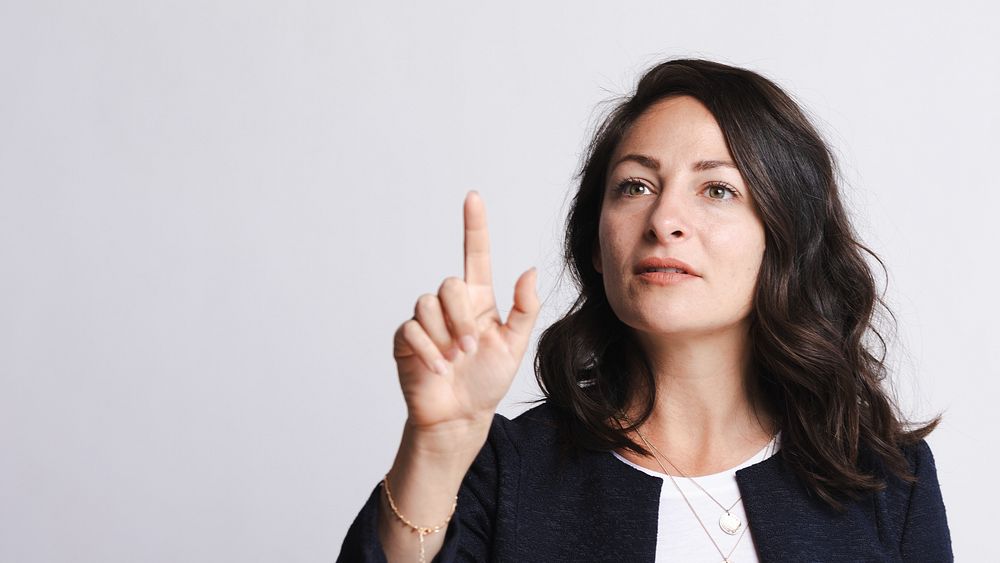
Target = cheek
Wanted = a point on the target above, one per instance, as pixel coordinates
(612, 254)
(604, 247)
(743, 248)
(615, 231)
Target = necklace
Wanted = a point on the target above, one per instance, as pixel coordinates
(727, 522)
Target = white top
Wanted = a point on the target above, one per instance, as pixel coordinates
(679, 537)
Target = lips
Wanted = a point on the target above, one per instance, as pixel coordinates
(652, 263)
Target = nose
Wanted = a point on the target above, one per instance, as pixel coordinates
(668, 217)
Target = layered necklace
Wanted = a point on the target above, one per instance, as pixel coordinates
(728, 522)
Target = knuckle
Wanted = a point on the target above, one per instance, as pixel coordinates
(452, 284)
(426, 303)
(410, 329)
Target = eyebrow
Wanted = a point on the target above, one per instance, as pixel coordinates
(650, 162)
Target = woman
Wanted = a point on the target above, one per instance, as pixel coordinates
(710, 396)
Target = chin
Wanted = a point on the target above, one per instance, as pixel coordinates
(678, 322)
(673, 331)
(671, 325)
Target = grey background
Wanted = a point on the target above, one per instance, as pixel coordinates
(214, 214)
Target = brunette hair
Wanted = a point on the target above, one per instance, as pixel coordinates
(812, 369)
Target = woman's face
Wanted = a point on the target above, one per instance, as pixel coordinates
(672, 191)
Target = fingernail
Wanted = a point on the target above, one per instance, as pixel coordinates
(440, 367)
(468, 344)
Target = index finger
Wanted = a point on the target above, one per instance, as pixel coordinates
(477, 242)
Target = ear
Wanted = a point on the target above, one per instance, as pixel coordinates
(596, 257)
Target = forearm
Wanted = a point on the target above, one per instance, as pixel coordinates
(424, 480)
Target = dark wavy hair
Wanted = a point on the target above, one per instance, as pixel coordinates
(813, 307)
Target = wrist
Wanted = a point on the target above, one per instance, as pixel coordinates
(458, 439)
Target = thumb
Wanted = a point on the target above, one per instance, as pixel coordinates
(524, 313)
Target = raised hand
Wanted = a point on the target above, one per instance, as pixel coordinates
(456, 357)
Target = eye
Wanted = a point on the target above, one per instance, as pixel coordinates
(721, 189)
(626, 187)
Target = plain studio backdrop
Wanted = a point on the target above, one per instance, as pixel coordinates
(214, 215)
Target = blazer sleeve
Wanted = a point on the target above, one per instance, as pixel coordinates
(469, 535)
(926, 536)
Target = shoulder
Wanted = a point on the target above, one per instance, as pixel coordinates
(532, 431)
(540, 438)
(915, 511)
(926, 534)
(920, 458)
(540, 419)
(925, 492)
(920, 463)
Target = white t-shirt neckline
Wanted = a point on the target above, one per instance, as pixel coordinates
(723, 476)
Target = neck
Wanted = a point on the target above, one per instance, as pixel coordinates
(704, 418)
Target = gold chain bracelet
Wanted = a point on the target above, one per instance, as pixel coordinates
(420, 530)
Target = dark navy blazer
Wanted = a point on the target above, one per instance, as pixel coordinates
(522, 501)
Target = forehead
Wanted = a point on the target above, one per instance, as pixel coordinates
(679, 128)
